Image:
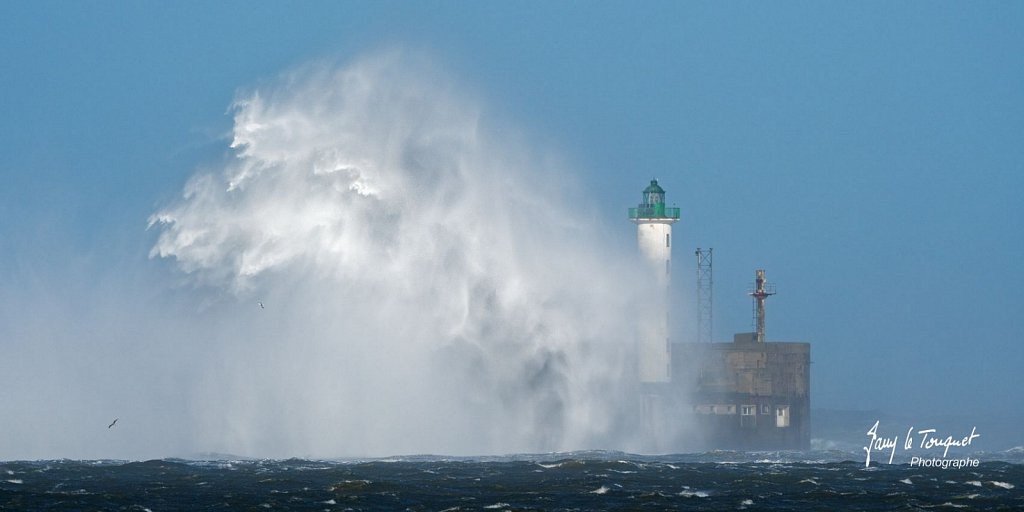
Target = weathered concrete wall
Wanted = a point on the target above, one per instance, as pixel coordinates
(745, 395)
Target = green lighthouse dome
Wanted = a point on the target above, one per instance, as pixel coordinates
(653, 205)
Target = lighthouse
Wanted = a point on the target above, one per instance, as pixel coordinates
(654, 237)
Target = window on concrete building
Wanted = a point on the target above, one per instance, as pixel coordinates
(766, 409)
(782, 416)
(748, 418)
(725, 409)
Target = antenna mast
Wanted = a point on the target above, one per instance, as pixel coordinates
(762, 290)
(704, 290)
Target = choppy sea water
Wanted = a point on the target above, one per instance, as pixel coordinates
(827, 480)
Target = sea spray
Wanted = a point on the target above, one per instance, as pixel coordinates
(429, 285)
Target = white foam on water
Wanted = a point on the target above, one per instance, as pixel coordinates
(693, 494)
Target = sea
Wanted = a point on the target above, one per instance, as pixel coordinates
(590, 480)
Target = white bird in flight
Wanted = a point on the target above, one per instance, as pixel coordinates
(261, 304)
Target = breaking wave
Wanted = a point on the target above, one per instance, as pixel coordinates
(426, 283)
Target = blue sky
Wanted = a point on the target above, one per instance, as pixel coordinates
(868, 155)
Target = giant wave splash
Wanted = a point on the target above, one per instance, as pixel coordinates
(432, 285)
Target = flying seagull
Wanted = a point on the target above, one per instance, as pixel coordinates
(261, 304)
(113, 422)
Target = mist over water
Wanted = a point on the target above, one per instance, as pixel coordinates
(431, 284)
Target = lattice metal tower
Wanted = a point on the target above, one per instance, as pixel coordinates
(762, 290)
(704, 296)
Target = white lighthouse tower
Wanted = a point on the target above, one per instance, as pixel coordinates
(654, 236)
